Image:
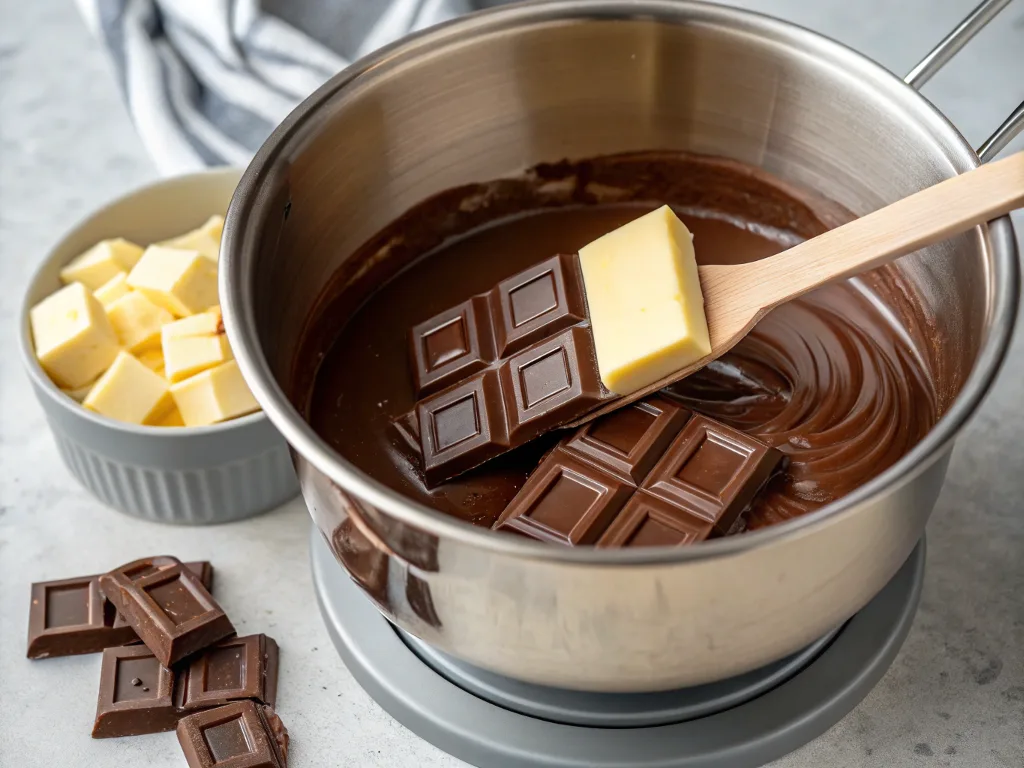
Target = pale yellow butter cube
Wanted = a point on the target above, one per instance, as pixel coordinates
(215, 395)
(182, 282)
(74, 340)
(129, 391)
(152, 358)
(113, 289)
(172, 419)
(205, 239)
(101, 263)
(646, 306)
(193, 344)
(137, 321)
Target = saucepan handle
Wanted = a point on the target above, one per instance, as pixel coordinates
(947, 49)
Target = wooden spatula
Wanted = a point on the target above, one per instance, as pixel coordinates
(737, 296)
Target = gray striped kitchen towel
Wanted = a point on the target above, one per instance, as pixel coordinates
(205, 81)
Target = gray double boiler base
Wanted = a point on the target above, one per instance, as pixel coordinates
(496, 722)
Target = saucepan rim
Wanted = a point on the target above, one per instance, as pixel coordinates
(240, 239)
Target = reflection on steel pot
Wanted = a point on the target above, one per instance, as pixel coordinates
(487, 96)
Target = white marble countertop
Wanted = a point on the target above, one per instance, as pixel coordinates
(954, 697)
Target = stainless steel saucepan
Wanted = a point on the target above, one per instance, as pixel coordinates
(491, 94)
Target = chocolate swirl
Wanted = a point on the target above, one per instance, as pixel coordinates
(825, 380)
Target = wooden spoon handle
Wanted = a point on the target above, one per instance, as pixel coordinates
(926, 217)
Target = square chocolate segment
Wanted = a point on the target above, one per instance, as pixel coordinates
(647, 521)
(565, 502)
(201, 568)
(713, 471)
(233, 669)
(238, 735)
(538, 302)
(169, 609)
(628, 442)
(67, 617)
(549, 382)
(462, 426)
(135, 694)
(452, 345)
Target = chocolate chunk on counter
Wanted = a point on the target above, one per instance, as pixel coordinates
(140, 695)
(203, 570)
(136, 694)
(239, 735)
(648, 474)
(502, 368)
(71, 616)
(233, 669)
(167, 606)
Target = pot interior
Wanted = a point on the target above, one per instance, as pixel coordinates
(491, 97)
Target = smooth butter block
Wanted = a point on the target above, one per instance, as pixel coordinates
(101, 263)
(152, 358)
(137, 321)
(205, 239)
(215, 395)
(182, 282)
(129, 391)
(193, 344)
(73, 338)
(113, 289)
(644, 300)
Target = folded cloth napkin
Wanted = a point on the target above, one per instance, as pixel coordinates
(206, 81)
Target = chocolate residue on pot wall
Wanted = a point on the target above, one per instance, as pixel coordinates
(827, 379)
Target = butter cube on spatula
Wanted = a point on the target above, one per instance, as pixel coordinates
(736, 297)
(644, 300)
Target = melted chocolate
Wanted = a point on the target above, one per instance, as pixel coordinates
(826, 379)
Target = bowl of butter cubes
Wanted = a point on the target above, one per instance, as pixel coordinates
(124, 344)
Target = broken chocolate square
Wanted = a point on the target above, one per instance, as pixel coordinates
(136, 694)
(169, 609)
(238, 735)
(712, 471)
(233, 669)
(462, 426)
(565, 501)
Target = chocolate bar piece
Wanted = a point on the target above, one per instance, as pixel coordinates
(239, 735)
(167, 606)
(71, 616)
(140, 695)
(136, 694)
(202, 569)
(502, 368)
(236, 668)
(648, 474)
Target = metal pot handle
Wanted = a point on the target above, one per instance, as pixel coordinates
(973, 23)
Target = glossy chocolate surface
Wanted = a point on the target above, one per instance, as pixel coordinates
(837, 380)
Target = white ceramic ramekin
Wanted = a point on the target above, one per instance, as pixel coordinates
(187, 475)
